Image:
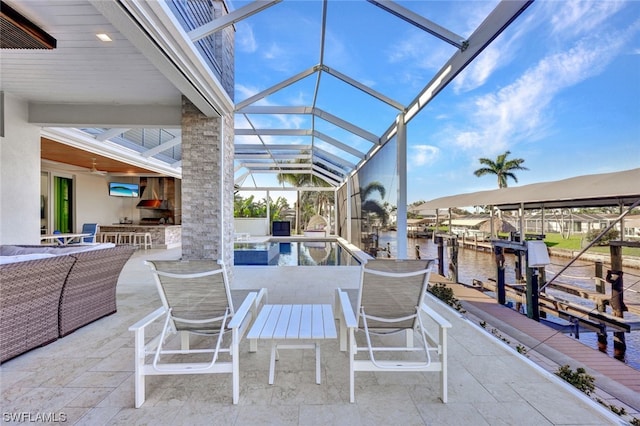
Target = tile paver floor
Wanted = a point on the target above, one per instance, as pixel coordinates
(87, 377)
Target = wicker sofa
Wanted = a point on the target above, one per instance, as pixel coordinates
(48, 292)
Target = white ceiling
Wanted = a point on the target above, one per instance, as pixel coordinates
(82, 69)
(85, 82)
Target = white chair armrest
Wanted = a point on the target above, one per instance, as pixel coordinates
(436, 317)
(262, 297)
(243, 310)
(160, 312)
(347, 309)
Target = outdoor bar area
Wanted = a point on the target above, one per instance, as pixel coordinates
(161, 236)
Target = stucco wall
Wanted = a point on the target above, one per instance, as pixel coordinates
(251, 225)
(19, 176)
(92, 202)
(94, 205)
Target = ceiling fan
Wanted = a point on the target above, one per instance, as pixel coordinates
(94, 170)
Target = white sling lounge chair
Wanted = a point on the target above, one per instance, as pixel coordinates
(197, 300)
(391, 299)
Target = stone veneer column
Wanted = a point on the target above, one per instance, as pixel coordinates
(207, 185)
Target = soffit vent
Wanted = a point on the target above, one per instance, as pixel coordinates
(20, 33)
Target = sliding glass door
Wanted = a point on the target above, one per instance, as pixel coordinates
(63, 204)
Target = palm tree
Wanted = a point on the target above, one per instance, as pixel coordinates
(276, 208)
(243, 207)
(373, 206)
(502, 168)
(300, 180)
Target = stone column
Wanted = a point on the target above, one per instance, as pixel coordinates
(207, 185)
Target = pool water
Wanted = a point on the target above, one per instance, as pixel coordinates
(295, 253)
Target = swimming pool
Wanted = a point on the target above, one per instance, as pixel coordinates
(294, 253)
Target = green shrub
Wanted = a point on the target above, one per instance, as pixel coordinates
(612, 234)
(579, 379)
(444, 293)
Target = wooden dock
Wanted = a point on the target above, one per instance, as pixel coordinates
(612, 376)
(475, 243)
(587, 317)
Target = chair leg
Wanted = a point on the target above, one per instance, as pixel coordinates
(409, 337)
(352, 373)
(318, 379)
(235, 361)
(184, 340)
(443, 358)
(343, 336)
(139, 368)
(272, 363)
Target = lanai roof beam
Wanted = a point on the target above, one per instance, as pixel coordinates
(338, 144)
(272, 165)
(300, 132)
(334, 158)
(358, 131)
(230, 19)
(253, 156)
(422, 23)
(379, 96)
(292, 171)
(497, 21)
(327, 173)
(275, 109)
(110, 133)
(330, 166)
(259, 148)
(330, 181)
(273, 132)
(276, 87)
(162, 147)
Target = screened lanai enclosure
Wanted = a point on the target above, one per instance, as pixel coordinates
(320, 89)
(343, 120)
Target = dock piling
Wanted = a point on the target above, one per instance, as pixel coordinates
(501, 292)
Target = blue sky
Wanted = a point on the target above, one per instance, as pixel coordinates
(559, 88)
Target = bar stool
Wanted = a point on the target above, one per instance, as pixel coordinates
(125, 238)
(142, 239)
(109, 237)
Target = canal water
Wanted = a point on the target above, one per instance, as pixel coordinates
(473, 264)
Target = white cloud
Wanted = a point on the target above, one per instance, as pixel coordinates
(289, 121)
(518, 111)
(273, 52)
(582, 17)
(567, 19)
(281, 121)
(245, 92)
(336, 52)
(476, 74)
(498, 55)
(245, 39)
(421, 155)
(410, 50)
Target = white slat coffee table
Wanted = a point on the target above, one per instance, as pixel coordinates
(294, 322)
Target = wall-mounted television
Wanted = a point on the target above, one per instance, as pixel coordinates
(121, 189)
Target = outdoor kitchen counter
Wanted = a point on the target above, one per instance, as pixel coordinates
(162, 236)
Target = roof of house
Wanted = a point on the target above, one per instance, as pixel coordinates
(599, 190)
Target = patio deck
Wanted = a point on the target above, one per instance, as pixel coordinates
(87, 377)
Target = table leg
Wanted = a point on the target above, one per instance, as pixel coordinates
(272, 363)
(317, 363)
